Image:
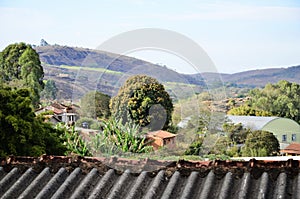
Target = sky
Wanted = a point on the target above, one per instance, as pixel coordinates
(236, 35)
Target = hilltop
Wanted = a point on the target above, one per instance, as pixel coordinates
(77, 70)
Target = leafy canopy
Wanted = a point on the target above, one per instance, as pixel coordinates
(261, 143)
(95, 105)
(21, 132)
(145, 101)
(50, 90)
(281, 99)
(20, 66)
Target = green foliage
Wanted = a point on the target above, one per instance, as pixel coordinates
(20, 66)
(50, 90)
(205, 96)
(216, 157)
(173, 129)
(21, 132)
(143, 100)
(260, 152)
(236, 132)
(281, 99)
(195, 147)
(224, 145)
(73, 141)
(261, 143)
(245, 109)
(119, 138)
(95, 105)
(93, 124)
(221, 146)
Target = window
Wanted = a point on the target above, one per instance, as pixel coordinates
(293, 137)
(283, 138)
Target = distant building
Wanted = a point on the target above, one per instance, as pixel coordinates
(61, 112)
(183, 123)
(291, 150)
(284, 129)
(161, 139)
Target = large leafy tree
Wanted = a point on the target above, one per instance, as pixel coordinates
(281, 99)
(145, 101)
(261, 143)
(21, 132)
(50, 90)
(95, 104)
(20, 66)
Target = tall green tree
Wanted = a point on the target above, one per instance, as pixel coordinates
(145, 101)
(21, 132)
(95, 104)
(261, 143)
(50, 90)
(281, 99)
(20, 66)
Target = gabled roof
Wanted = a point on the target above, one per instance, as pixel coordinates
(252, 122)
(77, 177)
(293, 148)
(58, 105)
(161, 134)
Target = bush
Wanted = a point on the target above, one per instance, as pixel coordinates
(92, 123)
(119, 138)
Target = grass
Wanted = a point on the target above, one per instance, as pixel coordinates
(172, 84)
(103, 70)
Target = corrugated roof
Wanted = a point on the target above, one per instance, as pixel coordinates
(252, 122)
(58, 177)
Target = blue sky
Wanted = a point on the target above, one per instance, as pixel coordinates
(237, 35)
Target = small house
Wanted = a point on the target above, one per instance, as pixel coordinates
(291, 150)
(63, 113)
(161, 139)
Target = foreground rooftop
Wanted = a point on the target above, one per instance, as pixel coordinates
(80, 177)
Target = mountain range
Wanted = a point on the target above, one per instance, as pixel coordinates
(78, 70)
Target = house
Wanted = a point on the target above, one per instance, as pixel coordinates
(284, 129)
(161, 138)
(113, 177)
(291, 150)
(63, 113)
(52, 119)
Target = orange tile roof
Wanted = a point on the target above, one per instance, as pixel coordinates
(161, 134)
(292, 148)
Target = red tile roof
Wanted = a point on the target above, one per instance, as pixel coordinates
(161, 134)
(292, 148)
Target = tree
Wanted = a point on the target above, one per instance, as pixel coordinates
(195, 147)
(145, 101)
(261, 143)
(20, 66)
(95, 105)
(236, 132)
(281, 99)
(222, 145)
(50, 90)
(21, 133)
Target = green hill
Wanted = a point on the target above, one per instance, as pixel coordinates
(78, 70)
